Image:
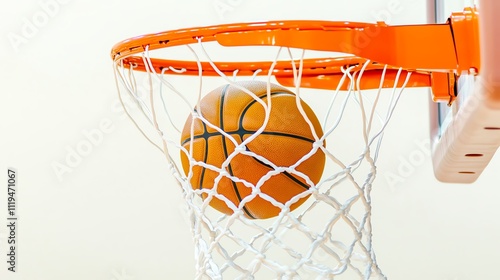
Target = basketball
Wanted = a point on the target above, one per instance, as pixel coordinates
(285, 140)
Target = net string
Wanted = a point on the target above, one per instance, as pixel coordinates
(221, 227)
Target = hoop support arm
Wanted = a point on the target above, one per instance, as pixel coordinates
(404, 46)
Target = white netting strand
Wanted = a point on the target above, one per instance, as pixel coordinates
(330, 234)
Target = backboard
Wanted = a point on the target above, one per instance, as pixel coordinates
(465, 134)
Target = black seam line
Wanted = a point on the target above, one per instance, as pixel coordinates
(243, 132)
(240, 124)
(290, 176)
(205, 157)
(224, 147)
(297, 181)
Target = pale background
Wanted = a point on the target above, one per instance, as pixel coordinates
(118, 215)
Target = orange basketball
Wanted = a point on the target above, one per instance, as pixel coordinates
(286, 138)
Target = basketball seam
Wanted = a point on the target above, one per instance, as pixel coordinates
(267, 132)
(224, 147)
(205, 158)
(241, 132)
(286, 173)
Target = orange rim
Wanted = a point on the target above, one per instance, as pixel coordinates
(404, 47)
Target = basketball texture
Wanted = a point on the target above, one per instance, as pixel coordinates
(286, 138)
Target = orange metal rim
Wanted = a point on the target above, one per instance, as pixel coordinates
(209, 33)
(399, 47)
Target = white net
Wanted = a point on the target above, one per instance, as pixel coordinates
(329, 234)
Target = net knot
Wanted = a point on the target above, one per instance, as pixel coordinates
(260, 257)
(240, 148)
(224, 173)
(317, 144)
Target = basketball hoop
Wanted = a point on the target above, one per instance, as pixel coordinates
(329, 233)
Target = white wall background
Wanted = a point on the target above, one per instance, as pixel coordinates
(118, 215)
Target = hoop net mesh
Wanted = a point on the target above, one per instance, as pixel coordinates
(330, 235)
